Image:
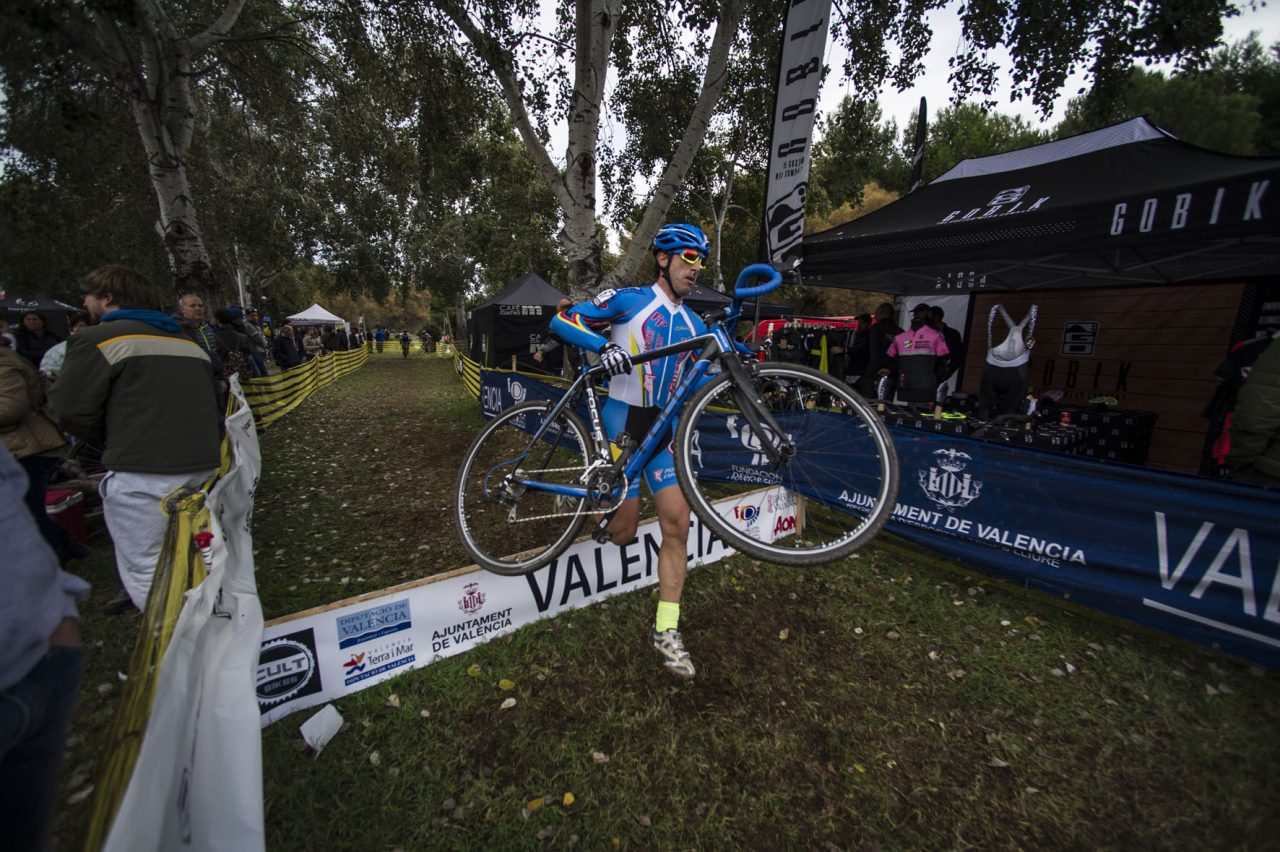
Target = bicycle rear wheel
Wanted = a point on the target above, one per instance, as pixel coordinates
(508, 527)
(828, 499)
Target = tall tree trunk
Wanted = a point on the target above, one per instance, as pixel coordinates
(178, 224)
(152, 64)
(574, 188)
(719, 213)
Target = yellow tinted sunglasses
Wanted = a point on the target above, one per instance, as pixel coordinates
(693, 257)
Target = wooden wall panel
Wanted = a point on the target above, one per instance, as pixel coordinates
(1156, 350)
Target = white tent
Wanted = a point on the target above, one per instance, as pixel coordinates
(316, 315)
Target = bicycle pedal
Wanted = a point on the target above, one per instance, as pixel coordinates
(601, 533)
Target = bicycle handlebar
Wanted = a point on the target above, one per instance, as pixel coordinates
(757, 270)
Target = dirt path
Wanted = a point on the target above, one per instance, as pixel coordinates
(356, 484)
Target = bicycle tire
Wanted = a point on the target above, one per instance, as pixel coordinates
(485, 503)
(843, 454)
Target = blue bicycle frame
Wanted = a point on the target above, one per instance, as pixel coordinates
(711, 345)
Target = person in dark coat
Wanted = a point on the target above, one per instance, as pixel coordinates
(285, 348)
(878, 341)
(234, 346)
(1255, 427)
(955, 344)
(34, 338)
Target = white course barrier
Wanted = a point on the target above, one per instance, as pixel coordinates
(323, 654)
(197, 783)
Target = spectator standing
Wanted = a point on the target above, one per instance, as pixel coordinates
(191, 316)
(917, 357)
(327, 338)
(285, 349)
(34, 338)
(340, 341)
(41, 669)
(311, 345)
(879, 338)
(1255, 427)
(257, 345)
(51, 363)
(137, 386)
(381, 337)
(234, 345)
(955, 345)
(6, 336)
(858, 351)
(34, 440)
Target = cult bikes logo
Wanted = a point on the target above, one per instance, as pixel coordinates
(472, 600)
(287, 669)
(946, 482)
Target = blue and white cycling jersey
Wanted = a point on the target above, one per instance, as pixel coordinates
(642, 319)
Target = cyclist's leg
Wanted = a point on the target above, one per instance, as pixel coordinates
(673, 521)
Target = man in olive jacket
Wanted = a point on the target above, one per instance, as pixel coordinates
(139, 387)
(1255, 428)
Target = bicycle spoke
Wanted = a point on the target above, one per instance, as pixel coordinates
(508, 526)
(842, 466)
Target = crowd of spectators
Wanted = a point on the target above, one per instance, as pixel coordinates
(146, 389)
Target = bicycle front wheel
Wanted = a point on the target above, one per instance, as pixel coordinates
(830, 496)
(509, 526)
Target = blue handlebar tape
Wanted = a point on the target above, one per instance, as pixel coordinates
(761, 270)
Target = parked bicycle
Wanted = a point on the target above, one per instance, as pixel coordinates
(747, 434)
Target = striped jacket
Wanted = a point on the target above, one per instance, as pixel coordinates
(144, 394)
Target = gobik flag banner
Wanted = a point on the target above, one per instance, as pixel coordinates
(804, 41)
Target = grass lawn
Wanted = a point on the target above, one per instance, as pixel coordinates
(893, 700)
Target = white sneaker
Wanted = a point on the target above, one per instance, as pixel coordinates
(669, 644)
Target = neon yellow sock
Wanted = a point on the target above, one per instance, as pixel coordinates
(668, 616)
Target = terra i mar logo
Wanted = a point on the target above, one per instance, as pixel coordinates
(947, 483)
(472, 600)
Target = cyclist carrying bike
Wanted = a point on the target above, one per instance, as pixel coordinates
(645, 318)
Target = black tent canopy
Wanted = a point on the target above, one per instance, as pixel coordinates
(1125, 205)
(501, 326)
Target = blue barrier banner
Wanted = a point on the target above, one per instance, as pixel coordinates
(1198, 558)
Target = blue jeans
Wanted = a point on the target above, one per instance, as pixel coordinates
(35, 714)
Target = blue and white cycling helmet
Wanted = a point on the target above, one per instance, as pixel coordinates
(678, 236)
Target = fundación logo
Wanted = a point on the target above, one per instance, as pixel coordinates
(472, 600)
(946, 483)
(516, 390)
(748, 515)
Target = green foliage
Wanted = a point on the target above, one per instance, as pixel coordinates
(1231, 104)
(858, 146)
(969, 130)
